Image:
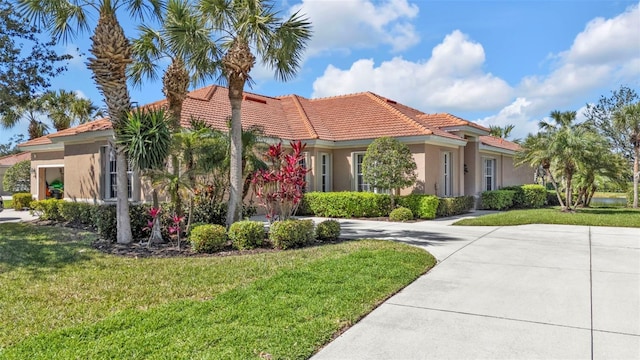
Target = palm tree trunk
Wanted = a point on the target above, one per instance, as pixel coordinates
(636, 176)
(124, 235)
(569, 193)
(236, 86)
(555, 186)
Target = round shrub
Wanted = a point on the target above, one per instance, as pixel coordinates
(328, 230)
(246, 234)
(208, 238)
(291, 233)
(401, 214)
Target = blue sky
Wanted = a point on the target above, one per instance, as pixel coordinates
(494, 62)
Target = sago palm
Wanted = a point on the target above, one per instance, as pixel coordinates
(111, 52)
(247, 28)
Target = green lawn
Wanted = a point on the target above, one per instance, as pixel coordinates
(590, 216)
(59, 298)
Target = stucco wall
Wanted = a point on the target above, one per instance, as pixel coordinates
(83, 171)
(473, 177)
(3, 170)
(515, 175)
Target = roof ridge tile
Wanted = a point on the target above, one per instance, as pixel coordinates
(305, 118)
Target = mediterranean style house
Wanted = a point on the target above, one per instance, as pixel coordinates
(454, 156)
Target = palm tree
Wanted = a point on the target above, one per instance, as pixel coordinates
(146, 139)
(184, 40)
(111, 52)
(245, 27)
(501, 131)
(66, 108)
(562, 145)
(32, 111)
(627, 121)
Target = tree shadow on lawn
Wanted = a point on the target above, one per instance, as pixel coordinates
(608, 211)
(412, 237)
(40, 248)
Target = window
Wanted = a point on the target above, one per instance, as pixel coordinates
(325, 172)
(447, 174)
(111, 189)
(360, 184)
(489, 181)
(304, 163)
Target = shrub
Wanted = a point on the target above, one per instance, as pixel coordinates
(348, 204)
(291, 233)
(22, 201)
(552, 198)
(208, 238)
(534, 195)
(105, 220)
(328, 230)
(422, 206)
(208, 212)
(47, 209)
(246, 234)
(454, 205)
(497, 199)
(76, 212)
(519, 200)
(401, 214)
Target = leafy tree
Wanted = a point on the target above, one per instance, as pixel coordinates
(246, 27)
(600, 116)
(18, 177)
(11, 147)
(389, 165)
(627, 121)
(65, 108)
(23, 73)
(111, 52)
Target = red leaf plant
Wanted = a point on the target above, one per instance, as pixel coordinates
(281, 187)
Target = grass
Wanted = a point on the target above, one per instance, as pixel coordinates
(63, 299)
(589, 216)
(8, 204)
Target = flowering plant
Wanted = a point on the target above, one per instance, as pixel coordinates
(175, 228)
(280, 188)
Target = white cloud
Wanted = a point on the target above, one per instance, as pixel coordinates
(340, 26)
(451, 80)
(78, 59)
(81, 94)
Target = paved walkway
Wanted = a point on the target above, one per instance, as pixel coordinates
(522, 292)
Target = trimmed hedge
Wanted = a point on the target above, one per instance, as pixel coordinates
(208, 238)
(401, 214)
(347, 204)
(528, 196)
(47, 209)
(246, 234)
(22, 201)
(328, 230)
(422, 206)
(76, 212)
(455, 205)
(291, 233)
(497, 199)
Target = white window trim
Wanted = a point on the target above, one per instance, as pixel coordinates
(494, 164)
(106, 191)
(325, 174)
(447, 173)
(354, 171)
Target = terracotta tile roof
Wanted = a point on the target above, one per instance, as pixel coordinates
(97, 125)
(339, 118)
(43, 140)
(10, 160)
(499, 143)
(448, 120)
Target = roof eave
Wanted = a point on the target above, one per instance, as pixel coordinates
(82, 137)
(495, 149)
(42, 147)
(467, 129)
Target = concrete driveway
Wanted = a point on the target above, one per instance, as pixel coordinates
(10, 215)
(522, 292)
